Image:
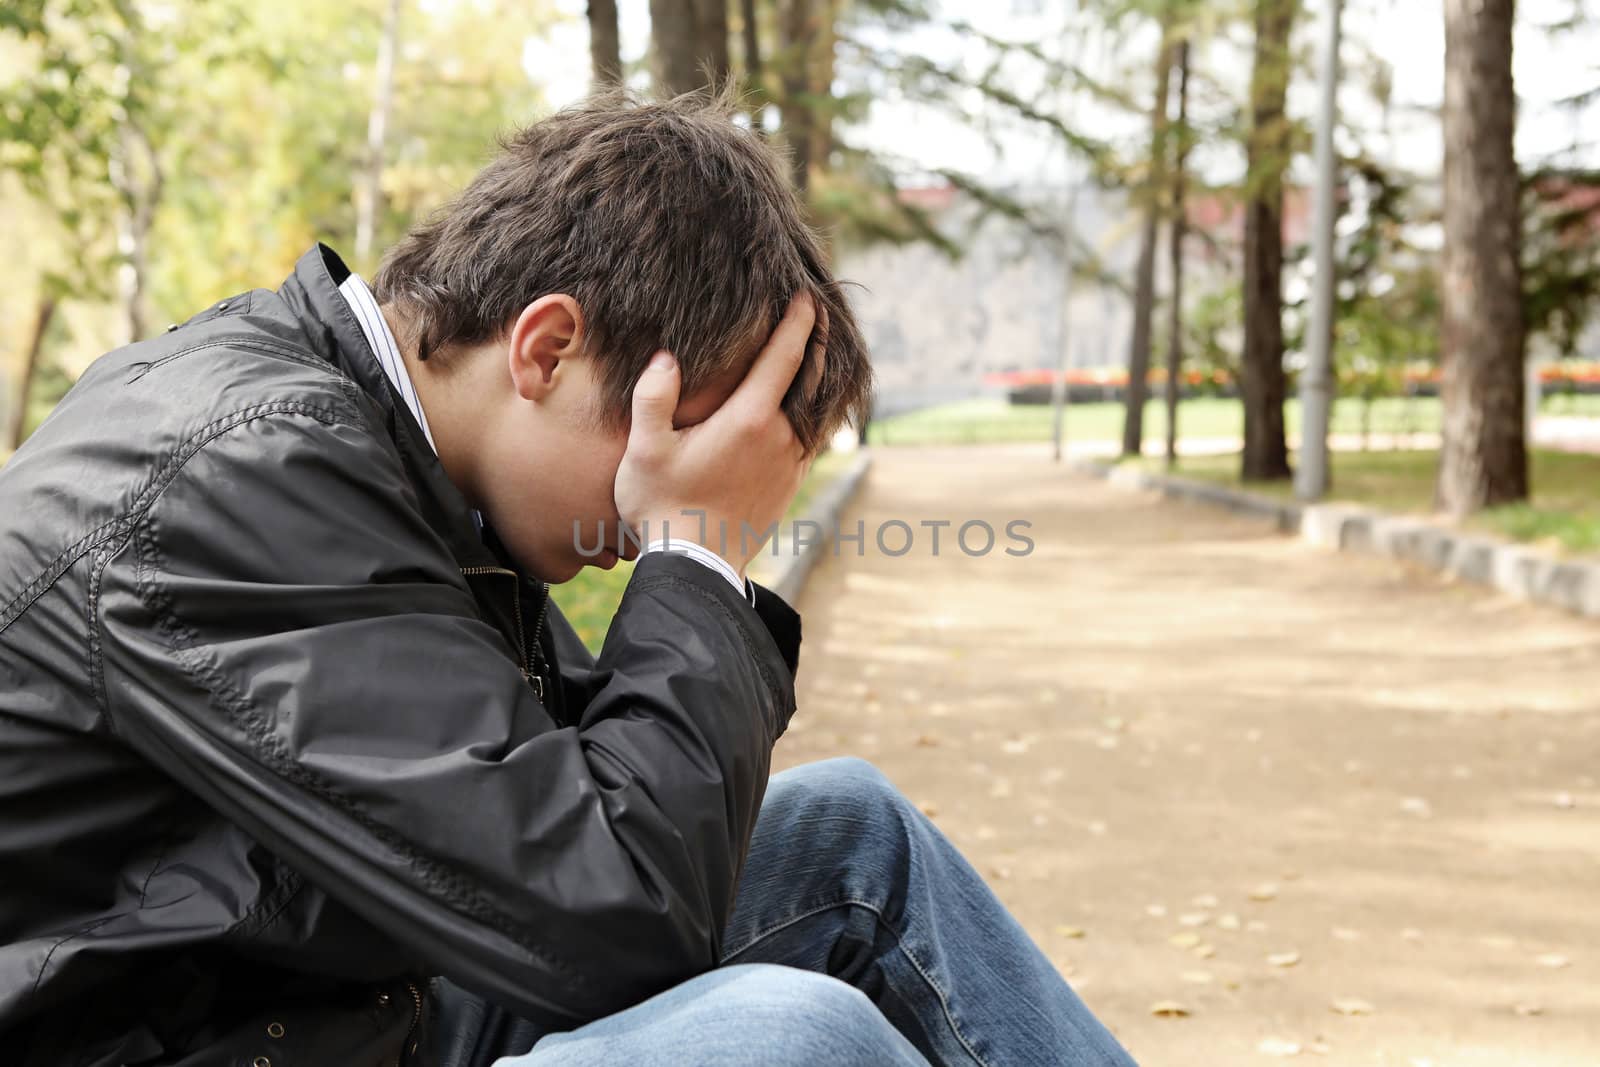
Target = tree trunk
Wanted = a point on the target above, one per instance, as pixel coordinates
(605, 45)
(377, 133)
(1144, 292)
(1180, 230)
(675, 40)
(30, 367)
(1484, 456)
(800, 26)
(1266, 452)
(711, 28)
(134, 169)
(140, 186)
(750, 30)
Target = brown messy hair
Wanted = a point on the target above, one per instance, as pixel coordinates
(669, 223)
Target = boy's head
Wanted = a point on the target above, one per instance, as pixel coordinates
(597, 237)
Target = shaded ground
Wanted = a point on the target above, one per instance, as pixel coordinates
(1211, 751)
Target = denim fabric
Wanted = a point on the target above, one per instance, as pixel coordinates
(859, 936)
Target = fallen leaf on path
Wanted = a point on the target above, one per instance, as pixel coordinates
(1204, 951)
(1417, 806)
(1278, 1046)
(1071, 931)
(1351, 1006)
(927, 741)
(1230, 921)
(1527, 1009)
(1168, 1009)
(1283, 959)
(1264, 892)
(928, 808)
(1186, 939)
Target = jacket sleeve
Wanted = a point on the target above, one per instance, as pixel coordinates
(284, 635)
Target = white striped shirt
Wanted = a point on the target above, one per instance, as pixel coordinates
(381, 340)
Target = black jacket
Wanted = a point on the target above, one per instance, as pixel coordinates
(271, 753)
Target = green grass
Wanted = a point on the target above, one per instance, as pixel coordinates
(1563, 515)
(994, 420)
(590, 599)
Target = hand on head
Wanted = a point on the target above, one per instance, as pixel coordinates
(740, 467)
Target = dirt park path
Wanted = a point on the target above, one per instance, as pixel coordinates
(1334, 809)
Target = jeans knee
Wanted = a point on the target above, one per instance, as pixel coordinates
(811, 1017)
(848, 779)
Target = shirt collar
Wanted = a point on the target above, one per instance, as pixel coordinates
(381, 340)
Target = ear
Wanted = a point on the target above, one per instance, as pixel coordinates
(548, 331)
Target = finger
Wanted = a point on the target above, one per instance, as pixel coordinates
(775, 366)
(655, 397)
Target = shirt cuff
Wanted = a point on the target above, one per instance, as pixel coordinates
(704, 555)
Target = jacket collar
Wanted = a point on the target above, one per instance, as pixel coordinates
(312, 293)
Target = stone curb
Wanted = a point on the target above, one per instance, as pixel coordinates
(787, 573)
(1521, 571)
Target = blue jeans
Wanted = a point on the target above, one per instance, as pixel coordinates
(860, 937)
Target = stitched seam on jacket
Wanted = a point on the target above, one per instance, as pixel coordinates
(97, 678)
(297, 355)
(122, 524)
(87, 928)
(202, 669)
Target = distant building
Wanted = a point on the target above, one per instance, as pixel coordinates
(937, 327)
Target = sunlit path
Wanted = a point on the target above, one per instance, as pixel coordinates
(1314, 800)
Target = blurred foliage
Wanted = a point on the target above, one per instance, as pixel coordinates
(242, 126)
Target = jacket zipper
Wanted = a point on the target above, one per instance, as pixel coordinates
(532, 669)
(408, 1045)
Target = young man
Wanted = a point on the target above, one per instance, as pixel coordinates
(298, 764)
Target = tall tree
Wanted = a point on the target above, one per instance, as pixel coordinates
(801, 27)
(605, 45)
(370, 197)
(1144, 292)
(1266, 452)
(711, 31)
(134, 169)
(1484, 456)
(750, 32)
(43, 317)
(1180, 230)
(675, 43)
